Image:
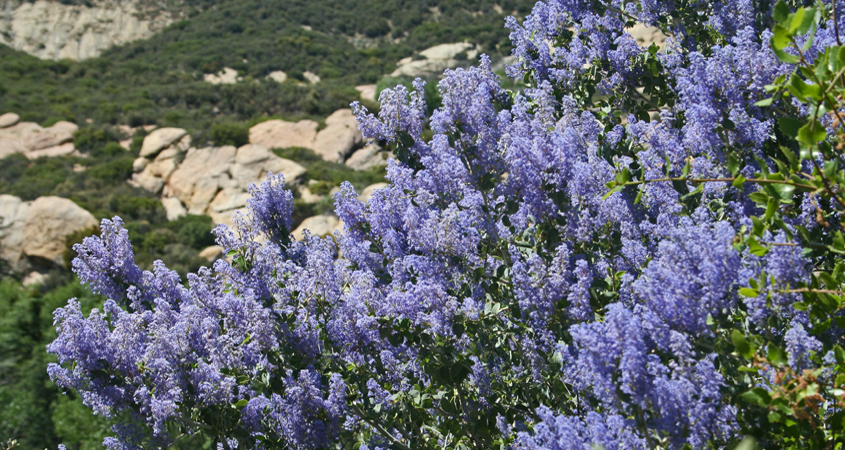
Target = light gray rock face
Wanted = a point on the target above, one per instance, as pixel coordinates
(173, 208)
(226, 76)
(9, 119)
(283, 134)
(60, 133)
(369, 156)
(368, 92)
(333, 143)
(12, 218)
(436, 59)
(340, 137)
(368, 191)
(52, 30)
(321, 225)
(278, 76)
(160, 139)
(211, 253)
(48, 222)
(35, 142)
(213, 180)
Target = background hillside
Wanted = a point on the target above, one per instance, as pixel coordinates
(117, 97)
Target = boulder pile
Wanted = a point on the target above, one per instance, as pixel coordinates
(33, 234)
(33, 140)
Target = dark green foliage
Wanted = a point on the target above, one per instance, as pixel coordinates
(34, 411)
(230, 133)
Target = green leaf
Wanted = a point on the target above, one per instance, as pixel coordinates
(811, 133)
(785, 57)
(686, 169)
(797, 20)
(241, 403)
(800, 306)
(780, 38)
(771, 208)
(748, 292)
(808, 19)
(739, 181)
(733, 165)
(776, 355)
(789, 126)
(757, 396)
(756, 249)
(741, 344)
(764, 102)
(780, 12)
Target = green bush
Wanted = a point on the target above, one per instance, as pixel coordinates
(229, 133)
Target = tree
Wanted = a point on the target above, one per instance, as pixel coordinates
(636, 251)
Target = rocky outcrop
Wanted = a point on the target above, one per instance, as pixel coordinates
(369, 156)
(368, 191)
(49, 220)
(160, 139)
(334, 143)
(34, 233)
(34, 141)
(434, 60)
(52, 30)
(321, 225)
(211, 181)
(368, 92)
(278, 76)
(225, 76)
(9, 119)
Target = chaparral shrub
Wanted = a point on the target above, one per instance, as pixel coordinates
(642, 249)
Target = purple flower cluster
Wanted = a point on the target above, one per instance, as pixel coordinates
(594, 313)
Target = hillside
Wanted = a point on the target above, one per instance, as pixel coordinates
(159, 80)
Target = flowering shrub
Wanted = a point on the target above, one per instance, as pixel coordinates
(639, 250)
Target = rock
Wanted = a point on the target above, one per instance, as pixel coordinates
(165, 163)
(289, 169)
(146, 180)
(160, 139)
(368, 191)
(307, 196)
(58, 150)
(447, 51)
(12, 223)
(312, 78)
(173, 208)
(49, 220)
(278, 76)
(34, 278)
(211, 253)
(321, 225)
(646, 35)
(139, 164)
(10, 145)
(224, 218)
(9, 119)
(228, 199)
(369, 156)
(54, 30)
(20, 129)
(252, 153)
(60, 133)
(196, 181)
(282, 134)
(437, 59)
(368, 92)
(341, 135)
(226, 76)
